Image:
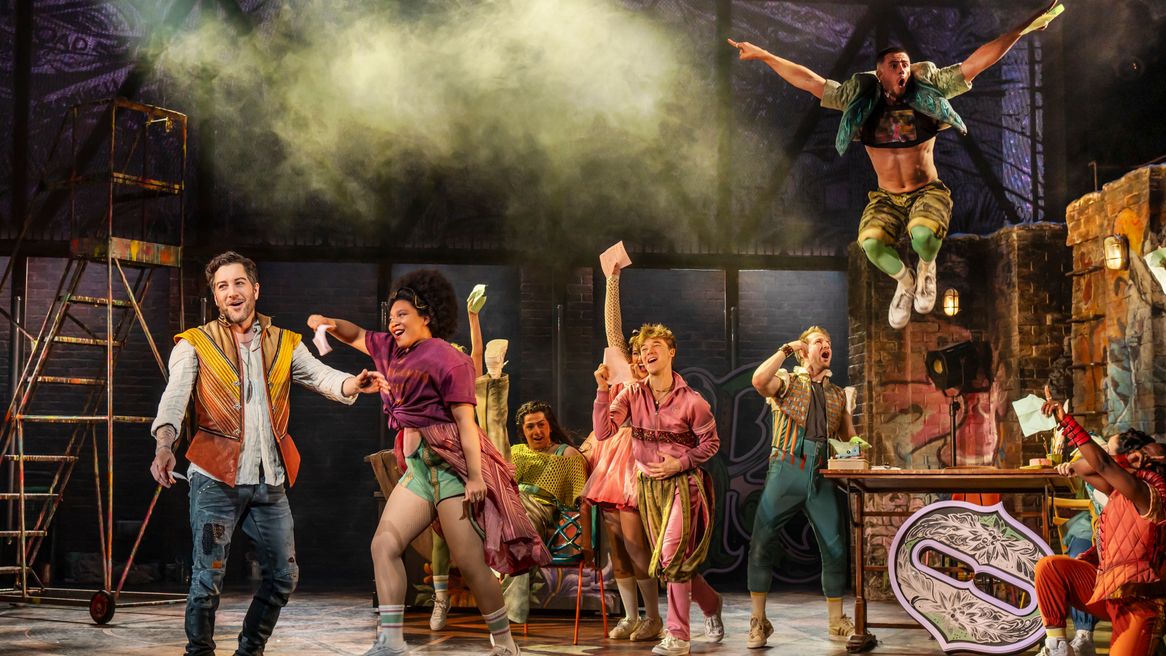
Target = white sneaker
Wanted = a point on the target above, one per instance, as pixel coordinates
(714, 628)
(925, 287)
(1055, 647)
(440, 614)
(671, 646)
(900, 313)
(499, 650)
(1082, 645)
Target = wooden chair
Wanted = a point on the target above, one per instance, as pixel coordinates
(1066, 509)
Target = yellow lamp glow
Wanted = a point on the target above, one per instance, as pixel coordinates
(951, 302)
(1117, 252)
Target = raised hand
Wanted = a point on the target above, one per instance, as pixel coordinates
(1051, 407)
(748, 51)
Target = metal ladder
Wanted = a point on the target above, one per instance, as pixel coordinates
(81, 322)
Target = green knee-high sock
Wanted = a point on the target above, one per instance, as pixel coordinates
(884, 257)
(925, 243)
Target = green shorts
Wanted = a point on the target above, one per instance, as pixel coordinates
(887, 216)
(430, 477)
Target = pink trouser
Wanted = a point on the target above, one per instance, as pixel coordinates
(681, 594)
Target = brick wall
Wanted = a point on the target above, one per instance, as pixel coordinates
(1015, 299)
(1118, 324)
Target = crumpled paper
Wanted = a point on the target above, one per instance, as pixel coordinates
(321, 340)
(477, 298)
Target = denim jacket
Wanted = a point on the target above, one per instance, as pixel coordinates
(928, 92)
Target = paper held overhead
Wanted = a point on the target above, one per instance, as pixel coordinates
(477, 298)
(613, 259)
(1032, 421)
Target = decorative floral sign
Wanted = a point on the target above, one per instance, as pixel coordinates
(957, 613)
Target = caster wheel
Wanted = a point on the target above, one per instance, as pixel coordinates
(102, 606)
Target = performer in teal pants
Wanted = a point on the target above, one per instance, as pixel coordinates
(807, 410)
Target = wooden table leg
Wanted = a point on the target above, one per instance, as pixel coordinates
(861, 640)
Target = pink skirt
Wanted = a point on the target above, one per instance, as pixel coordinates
(612, 483)
(511, 544)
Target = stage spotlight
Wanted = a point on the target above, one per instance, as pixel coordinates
(952, 367)
(1117, 252)
(953, 370)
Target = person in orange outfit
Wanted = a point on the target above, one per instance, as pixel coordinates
(1120, 579)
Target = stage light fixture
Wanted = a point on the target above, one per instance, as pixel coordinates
(953, 370)
(951, 302)
(1117, 252)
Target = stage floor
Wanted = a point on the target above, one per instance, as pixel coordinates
(316, 624)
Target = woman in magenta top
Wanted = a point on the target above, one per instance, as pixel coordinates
(451, 470)
(673, 432)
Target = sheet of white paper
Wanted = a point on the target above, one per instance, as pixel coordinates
(616, 256)
(618, 369)
(1031, 420)
(1156, 260)
(477, 298)
(321, 340)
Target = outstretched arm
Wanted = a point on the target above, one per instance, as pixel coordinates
(1118, 478)
(796, 74)
(345, 331)
(988, 54)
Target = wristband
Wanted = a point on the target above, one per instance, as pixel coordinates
(1073, 432)
(787, 350)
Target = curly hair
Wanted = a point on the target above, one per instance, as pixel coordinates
(1131, 440)
(430, 292)
(656, 331)
(530, 407)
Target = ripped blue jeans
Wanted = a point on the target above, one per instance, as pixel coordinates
(215, 509)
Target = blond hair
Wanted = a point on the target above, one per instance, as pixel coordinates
(811, 330)
(655, 331)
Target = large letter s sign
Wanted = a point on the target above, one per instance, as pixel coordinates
(957, 613)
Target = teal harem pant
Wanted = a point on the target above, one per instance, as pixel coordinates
(792, 487)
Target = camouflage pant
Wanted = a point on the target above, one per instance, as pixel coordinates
(888, 215)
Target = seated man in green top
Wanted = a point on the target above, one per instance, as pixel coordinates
(550, 474)
(896, 112)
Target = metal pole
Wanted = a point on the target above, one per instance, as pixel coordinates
(109, 353)
(557, 369)
(15, 359)
(951, 412)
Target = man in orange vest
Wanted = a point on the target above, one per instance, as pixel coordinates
(239, 368)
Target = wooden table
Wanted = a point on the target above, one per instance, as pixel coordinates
(860, 482)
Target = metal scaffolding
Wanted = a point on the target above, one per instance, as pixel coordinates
(125, 186)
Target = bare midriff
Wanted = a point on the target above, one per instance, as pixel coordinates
(901, 170)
